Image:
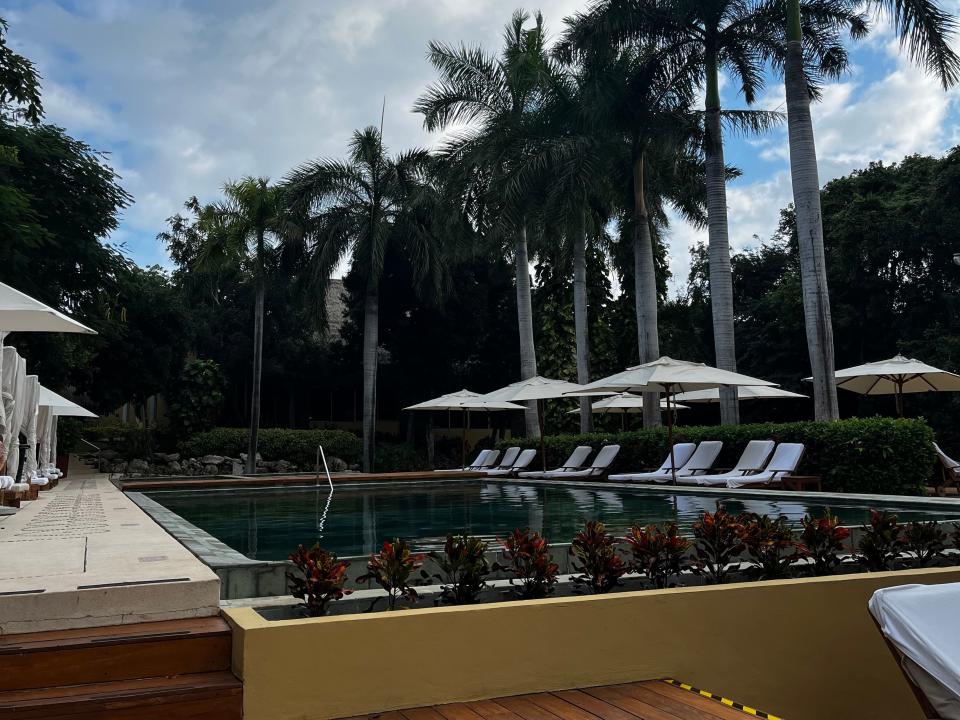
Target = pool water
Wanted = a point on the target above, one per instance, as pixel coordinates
(267, 524)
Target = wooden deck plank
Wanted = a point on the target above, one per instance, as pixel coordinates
(635, 707)
(698, 701)
(647, 700)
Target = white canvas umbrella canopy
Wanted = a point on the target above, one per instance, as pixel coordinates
(52, 406)
(669, 376)
(536, 388)
(465, 401)
(897, 376)
(21, 313)
(624, 404)
(60, 406)
(744, 392)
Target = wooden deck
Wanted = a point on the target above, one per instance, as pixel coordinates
(650, 700)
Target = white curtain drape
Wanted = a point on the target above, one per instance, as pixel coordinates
(14, 385)
(53, 438)
(44, 425)
(28, 427)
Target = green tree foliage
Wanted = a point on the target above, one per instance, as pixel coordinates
(197, 398)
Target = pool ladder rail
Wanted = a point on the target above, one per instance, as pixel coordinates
(322, 518)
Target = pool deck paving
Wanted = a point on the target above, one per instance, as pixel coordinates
(84, 555)
(649, 700)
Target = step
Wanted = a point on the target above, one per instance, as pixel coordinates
(116, 652)
(205, 696)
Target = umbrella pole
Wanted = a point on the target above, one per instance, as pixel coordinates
(673, 462)
(899, 397)
(543, 452)
(463, 440)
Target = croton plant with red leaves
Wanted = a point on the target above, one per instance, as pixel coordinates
(824, 539)
(658, 553)
(595, 557)
(320, 580)
(532, 570)
(392, 569)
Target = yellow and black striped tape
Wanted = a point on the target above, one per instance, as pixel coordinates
(725, 701)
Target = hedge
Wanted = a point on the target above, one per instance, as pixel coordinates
(861, 455)
(296, 446)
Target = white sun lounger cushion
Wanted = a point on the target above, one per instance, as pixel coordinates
(752, 459)
(6, 482)
(576, 460)
(601, 462)
(921, 621)
(523, 460)
(701, 460)
(785, 461)
(681, 453)
(509, 458)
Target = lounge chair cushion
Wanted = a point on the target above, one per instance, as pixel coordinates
(681, 453)
(785, 461)
(574, 462)
(753, 458)
(702, 459)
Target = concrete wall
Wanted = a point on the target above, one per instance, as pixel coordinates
(802, 649)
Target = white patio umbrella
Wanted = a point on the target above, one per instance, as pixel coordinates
(668, 376)
(624, 404)
(56, 406)
(744, 392)
(897, 376)
(465, 401)
(536, 388)
(21, 313)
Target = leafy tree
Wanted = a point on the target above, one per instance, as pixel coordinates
(358, 209)
(496, 98)
(925, 29)
(196, 398)
(247, 229)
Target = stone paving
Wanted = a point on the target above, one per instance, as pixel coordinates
(83, 554)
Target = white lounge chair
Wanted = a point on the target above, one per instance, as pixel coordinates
(575, 462)
(489, 461)
(949, 468)
(752, 460)
(522, 462)
(785, 461)
(479, 461)
(681, 453)
(919, 623)
(508, 459)
(598, 468)
(700, 461)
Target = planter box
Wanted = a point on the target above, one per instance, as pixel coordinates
(804, 649)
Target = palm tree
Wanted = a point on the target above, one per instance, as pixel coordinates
(356, 209)
(925, 29)
(705, 37)
(246, 229)
(496, 98)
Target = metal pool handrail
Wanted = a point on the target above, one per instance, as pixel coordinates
(99, 464)
(322, 455)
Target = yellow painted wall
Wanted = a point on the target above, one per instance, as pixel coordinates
(801, 649)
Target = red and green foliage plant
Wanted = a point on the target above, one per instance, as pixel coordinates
(463, 567)
(391, 569)
(533, 573)
(717, 541)
(881, 545)
(659, 554)
(823, 540)
(771, 545)
(925, 540)
(595, 558)
(320, 581)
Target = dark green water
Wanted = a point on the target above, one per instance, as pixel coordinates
(267, 524)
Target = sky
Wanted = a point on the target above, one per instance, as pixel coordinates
(185, 95)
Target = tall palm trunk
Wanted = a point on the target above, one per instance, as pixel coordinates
(806, 200)
(580, 319)
(645, 288)
(721, 280)
(371, 320)
(528, 351)
(257, 365)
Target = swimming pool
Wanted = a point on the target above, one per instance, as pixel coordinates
(267, 523)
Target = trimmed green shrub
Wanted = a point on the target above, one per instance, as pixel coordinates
(860, 455)
(296, 446)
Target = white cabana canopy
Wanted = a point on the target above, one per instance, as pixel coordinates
(897, 376)
(21, 313)
(744, 392)
(668, 376)
(62, 407)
